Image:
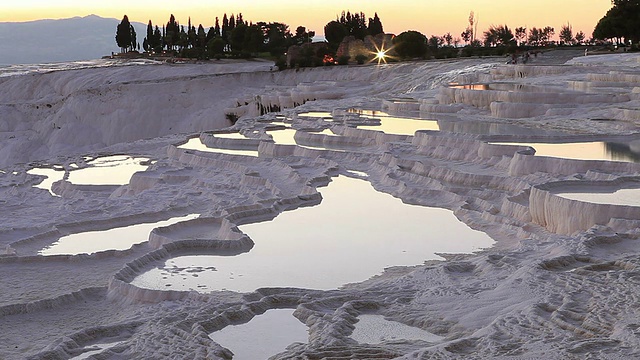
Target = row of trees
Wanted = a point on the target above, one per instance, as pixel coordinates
(234, 36)
(502, 35)
(352, 25)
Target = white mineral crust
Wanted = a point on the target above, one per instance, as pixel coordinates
(560, 282)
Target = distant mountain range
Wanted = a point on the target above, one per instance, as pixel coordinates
(45, 41)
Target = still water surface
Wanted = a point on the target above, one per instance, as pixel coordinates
(264, 336)
(355, 233)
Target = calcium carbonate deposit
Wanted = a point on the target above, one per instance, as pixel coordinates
(522, 267)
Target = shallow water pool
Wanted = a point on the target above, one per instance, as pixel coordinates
(120, 238)
(264, 336)
(318, 114)
(196, 144)
(355, 233)
(600, 195)
(402, 125)
(51, 176)
(595, 150)
(109, 170)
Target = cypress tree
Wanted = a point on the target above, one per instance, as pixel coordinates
(225, 26)
(232, 23)
(164, 37)
(172, 36)
(148, 41)
(133, 38)
(156, 43)
(191, 35)
(210, 34)
(201, 36)
(123, 34)
(216, 28)
(375, 25)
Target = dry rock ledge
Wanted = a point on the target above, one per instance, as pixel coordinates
(560, 282)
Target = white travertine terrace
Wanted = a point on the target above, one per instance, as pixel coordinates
(564, 215)
(560, 281)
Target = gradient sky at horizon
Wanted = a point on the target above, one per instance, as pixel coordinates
(433, 17)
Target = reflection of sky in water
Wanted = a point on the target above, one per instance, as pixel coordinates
(286, 136)
(196, 144)
(368, 112)
(236, 135)
(470, 86)
(402, 125)
(375, 329)
(121, 238)
(316, 114)
(598, 195)
(352, 235)
(52, 176)
(110, 170)
(281, 137)
(501, 87)
(398, 125)
(597, 150)
(264, 336)
(95, 349)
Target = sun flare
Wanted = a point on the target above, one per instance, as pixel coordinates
(380, 55)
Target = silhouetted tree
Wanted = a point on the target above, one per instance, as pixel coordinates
(466, 35)
(334, 32)
(149, 38)
(253, 38)
(410, 44)
(434, 42)
(172, 34)
(216, 28)
(540, 37)
(566, 34)
(232, 23)
(192, 36)
(277, 37)
(355, 24)
(580, 37)
(225, 27)
(123, 35)
(621, 21)
(132, 35)
(521, 34)
(448, 39)
(155, 43)
(547, 33)
(498, 35)
(534, 36)
(375, 26)
(302, 36)
(215, 47)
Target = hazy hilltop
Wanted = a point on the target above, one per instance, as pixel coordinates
(42, 41)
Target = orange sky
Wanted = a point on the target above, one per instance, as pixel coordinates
(433, 17)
